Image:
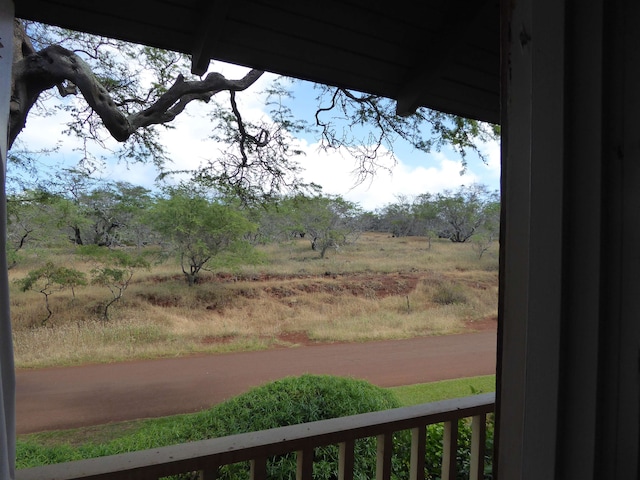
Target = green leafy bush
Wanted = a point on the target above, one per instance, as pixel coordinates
(309, 398)
(434, 447)
(295, 400)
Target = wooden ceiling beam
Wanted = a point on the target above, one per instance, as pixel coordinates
(413, 53)
(461, 24)
(207, 34)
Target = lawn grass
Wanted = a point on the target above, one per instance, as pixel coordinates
(443, 390)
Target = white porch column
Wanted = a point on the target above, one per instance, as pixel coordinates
(569, 337)
(7, 375)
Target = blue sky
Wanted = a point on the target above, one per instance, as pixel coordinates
(414, 172)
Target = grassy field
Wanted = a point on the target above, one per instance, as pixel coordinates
(378, 288)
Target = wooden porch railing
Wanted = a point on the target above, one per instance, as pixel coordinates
(207, 456)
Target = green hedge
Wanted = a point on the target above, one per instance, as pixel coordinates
(296, 400)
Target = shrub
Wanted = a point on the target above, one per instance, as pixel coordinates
(448, 294)
(434, 447)
(309, 398)
(295, 400)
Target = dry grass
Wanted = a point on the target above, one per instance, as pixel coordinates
(379, 288)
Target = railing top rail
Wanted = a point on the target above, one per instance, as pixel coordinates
(205, 454)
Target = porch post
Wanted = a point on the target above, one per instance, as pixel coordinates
(532, 233)
(7, 375)
(569, 335)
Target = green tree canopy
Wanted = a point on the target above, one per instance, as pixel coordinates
(200, 230)
(463, 212)
(458, 215)
(112, 269)
(51, 278)
(329, 221)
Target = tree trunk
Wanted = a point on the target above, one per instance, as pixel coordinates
(77, 238)
(191, 279)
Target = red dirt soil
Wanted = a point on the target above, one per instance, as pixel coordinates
(61, 398)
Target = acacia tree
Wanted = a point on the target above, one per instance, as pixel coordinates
(470, 212)
(489, 230)
(113, 212)
(114, 270)
(65, 191)
(426, 130)
(79, 209)
(30, 221)
(411, 216)
(129, 91)
(397, 218)
(49, 279)
(200, 230)
(425, 211)
(114, 99)
(465, 211)
(328, 221)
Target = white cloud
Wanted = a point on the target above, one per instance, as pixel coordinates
(489, 172)
(334, 172)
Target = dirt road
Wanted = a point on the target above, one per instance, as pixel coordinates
(60, 398)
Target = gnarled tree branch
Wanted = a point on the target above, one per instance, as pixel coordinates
(35, 72)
